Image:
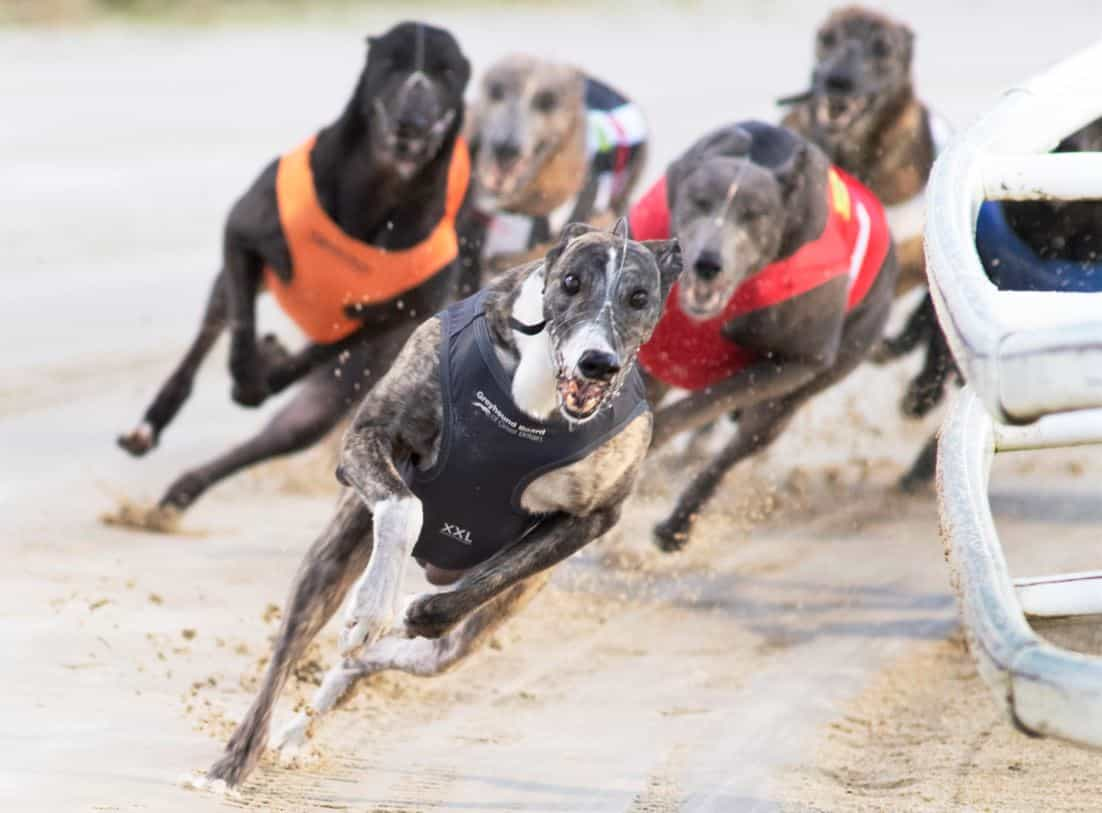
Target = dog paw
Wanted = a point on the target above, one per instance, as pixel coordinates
(200, 781)
(250, 392)
(182, 493)
(670, 537)
(364, 629)
(289, 744)
(138, 441)
(428, 617)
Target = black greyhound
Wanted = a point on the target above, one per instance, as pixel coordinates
(384, 179)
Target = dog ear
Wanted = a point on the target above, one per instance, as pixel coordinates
(791, 172)
(620, 229)
(570, 232)
(667, 253)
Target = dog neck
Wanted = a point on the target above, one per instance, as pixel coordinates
(895, 154)
(368, 200)
(529, 358)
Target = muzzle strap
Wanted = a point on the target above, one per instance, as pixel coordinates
(527, 330)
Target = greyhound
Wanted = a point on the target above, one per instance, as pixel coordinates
(505, 437)
(354, 234)
(550, 145)
(863, 111)
(790, 277)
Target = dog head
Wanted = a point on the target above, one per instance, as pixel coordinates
(528, 110)
(603, 296)
(740, 198)
(411, 94)
(862, 70)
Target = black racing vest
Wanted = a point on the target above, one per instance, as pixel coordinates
(490, 451)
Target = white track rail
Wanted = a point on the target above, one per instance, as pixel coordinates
(1033, 365)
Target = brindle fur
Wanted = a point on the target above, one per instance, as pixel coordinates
(530, 112)
(863, 111)
(380, 171)
(805, 344)
(401, 419)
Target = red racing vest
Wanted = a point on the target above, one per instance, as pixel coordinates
(693, 354)
(331, 270)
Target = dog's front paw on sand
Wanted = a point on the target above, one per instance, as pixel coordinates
(138, 441)
(162, 519)
(670, 537)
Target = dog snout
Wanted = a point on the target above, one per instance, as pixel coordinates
(598, 365)
(412, 124)
(708, 265)
(505, 152)
(840, 83)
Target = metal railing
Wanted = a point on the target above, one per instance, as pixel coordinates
(1033, 366)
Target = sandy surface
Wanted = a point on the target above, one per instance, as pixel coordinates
(800, 653)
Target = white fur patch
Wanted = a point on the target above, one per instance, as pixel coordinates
(376, 599)
(534, 390)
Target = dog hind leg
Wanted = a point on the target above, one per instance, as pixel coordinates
(176, 389)
(423, 657)
(331, 566)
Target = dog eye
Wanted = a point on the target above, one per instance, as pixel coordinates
(571, 284)
(497, 91)
(881, 48)
(828, 39)
(545, 101)
(638, 299)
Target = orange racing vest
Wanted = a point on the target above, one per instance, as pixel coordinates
(332, 271)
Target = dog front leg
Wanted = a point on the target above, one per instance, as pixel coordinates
(558, 538)
(422, 657)
(367, 465)
(758, 427)
(175, 391)
(375, 604)
(762, 381)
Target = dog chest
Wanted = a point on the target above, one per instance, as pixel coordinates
(491, 451)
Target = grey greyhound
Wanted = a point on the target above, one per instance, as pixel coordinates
(790, 274)
(505, 437)
(862, 110)
(354, 234)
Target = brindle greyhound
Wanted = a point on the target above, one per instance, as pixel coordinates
(550, 146)
(543, 357)
(863, 111)
(383, 175)
(790, 277)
